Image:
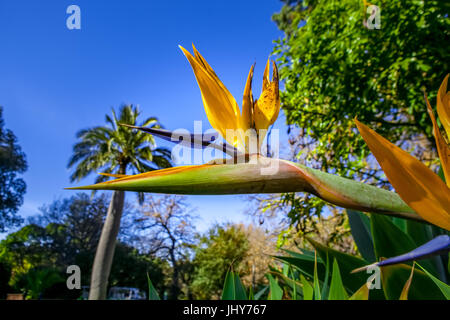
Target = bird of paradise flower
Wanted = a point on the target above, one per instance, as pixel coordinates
(224, 115)
(416, 184)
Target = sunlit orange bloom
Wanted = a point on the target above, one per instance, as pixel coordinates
(416, 184)
(222, 109)
(443, 106)
(442, 147)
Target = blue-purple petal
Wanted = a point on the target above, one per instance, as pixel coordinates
(437, 246)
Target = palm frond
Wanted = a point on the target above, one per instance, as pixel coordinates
(106, 148)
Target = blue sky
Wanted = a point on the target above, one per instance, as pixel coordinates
(55, 81)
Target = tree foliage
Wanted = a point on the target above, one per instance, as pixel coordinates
(130, 268)
(221, 248)
(74, 225)
(165, 228)
(12, 188)
(335, 69)
(66, 233)
(37, 281)
(260, 250)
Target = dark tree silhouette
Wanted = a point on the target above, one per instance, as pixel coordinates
(12, 188)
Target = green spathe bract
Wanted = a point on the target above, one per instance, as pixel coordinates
(263, 175)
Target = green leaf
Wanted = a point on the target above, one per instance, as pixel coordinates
(293, 285)
(441, 173)
(317, 295)
(400, 223)
(152, 293)
(260, 293)
(337, 290)
(290, 281)
(228, 292)
(422, 287)
(307, 289)
(303, 254)
(285, 269)
(445, 288)
(305, 264)
(422, 233)
(347, 263)
(325, 290)
(275, 293)
(360, 228)
(361, 294)
(241, 293)
(233, 288)
(390, 241)
(251, 295)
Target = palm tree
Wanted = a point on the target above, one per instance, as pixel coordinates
(114, 149)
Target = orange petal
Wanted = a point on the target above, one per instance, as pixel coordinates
(267, 107)
(405, 291)
(247, 102)
(266, 77)
(442, 147)
(417, 185)
(220, 106)
(205, 64)
(212, 73)
(275, 81)
(443, 106)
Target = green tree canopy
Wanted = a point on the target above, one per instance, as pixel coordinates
(12, 188)
(335, 69)
(73, 226)
(66, 233)
(221, 248)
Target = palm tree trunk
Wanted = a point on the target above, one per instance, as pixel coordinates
(174, 287)
(106, 246)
